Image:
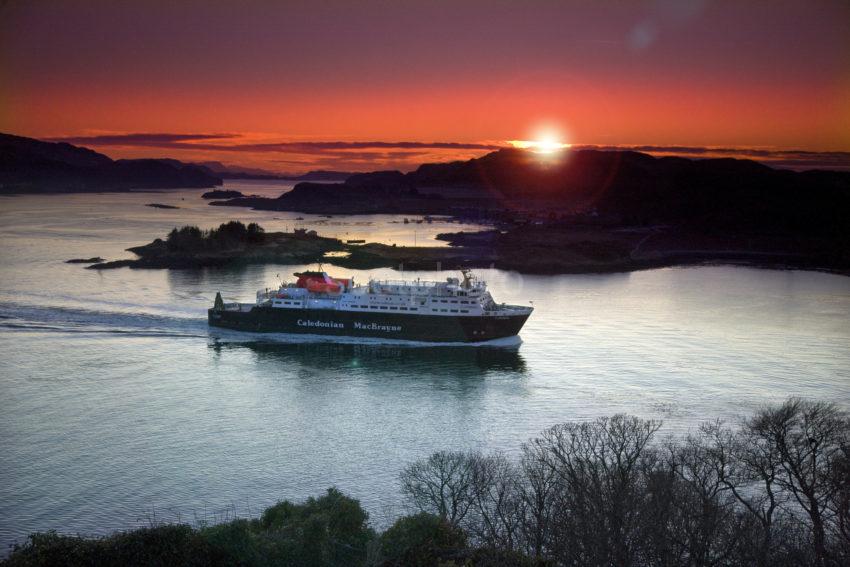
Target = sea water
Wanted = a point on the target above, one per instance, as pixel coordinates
(120, 407)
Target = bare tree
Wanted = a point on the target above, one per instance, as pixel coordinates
(840, 501)
(773, 492)
(443, 484)
(748, 465)
(497, 513)
(538, 491)
(809, 438)
(600, 466)
(705, 524)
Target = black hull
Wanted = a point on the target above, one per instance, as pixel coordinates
(428, 328)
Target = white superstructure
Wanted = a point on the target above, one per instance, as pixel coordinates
(454, 297)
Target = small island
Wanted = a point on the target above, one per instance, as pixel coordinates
(93, 260)
(161, 206)
(234, 243)
(546, 248)
(222, 194)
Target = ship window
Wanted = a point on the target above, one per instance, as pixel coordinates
(464, 310)
(383, 306)
(414, 309)
(454, 310)
(394, 308)
(443, 301)
(443, 310)
(454, 300)
(372, 307)
(403, 308)
(435, 310)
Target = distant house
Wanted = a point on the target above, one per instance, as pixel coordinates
(304, 233)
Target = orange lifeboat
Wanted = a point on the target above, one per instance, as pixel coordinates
(323, 287)
(320, 282)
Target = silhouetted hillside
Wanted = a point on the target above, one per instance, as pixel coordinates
(624, 187)
(321, 175)
(239, 172)
(639, 189)
(33, 166)
(338, 198)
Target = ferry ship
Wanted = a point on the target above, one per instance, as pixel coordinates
(455, 310)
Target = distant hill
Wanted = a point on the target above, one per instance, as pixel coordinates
(321, 175)
(239, 172)
(633, 187)
(607, 178)
(32, 166)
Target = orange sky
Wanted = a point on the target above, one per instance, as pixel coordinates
(686, 73)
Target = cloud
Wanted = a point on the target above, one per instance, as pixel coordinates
(323, 146)
(258, 150)
(199, 142)
(140, 139)
(408, 154)
(367, 155)
(790, 159)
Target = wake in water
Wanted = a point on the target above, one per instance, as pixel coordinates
(34, 318)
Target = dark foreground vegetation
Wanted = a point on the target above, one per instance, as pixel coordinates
(772, 490)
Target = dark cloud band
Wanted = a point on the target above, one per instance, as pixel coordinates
(147, 139)
(196, 141)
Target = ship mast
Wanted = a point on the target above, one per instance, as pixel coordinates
(467, 278)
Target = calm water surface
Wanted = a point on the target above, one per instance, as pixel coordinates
(118, 403)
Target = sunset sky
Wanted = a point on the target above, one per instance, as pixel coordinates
(291, 86)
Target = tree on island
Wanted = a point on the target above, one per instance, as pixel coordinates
(232, 234)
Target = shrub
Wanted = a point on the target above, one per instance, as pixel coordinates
(419, 540)
(330, 530)
(147, 547)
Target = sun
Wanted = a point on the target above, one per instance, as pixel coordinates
(545, 144)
